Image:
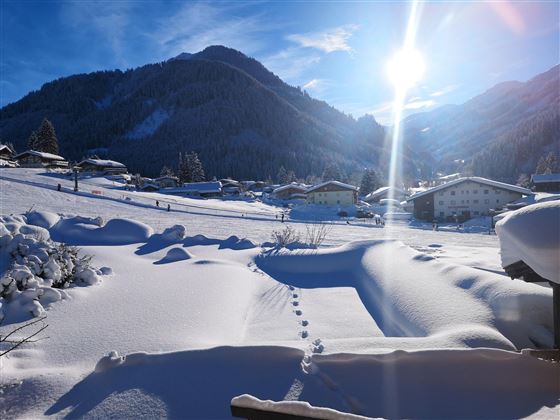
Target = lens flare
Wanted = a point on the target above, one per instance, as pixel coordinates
(406, 68)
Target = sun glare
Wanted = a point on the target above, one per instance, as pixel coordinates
(406, 68)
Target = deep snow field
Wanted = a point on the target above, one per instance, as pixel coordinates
(398, 321)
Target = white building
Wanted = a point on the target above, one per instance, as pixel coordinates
(464, 198)
(333, 193)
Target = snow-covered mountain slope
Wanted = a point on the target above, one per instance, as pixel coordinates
(371, 326)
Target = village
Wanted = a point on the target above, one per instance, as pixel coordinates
(447, 199)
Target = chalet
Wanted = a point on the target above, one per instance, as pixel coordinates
(167, 181)
(290, 191)
(35, 159)
(101, 166)
(383, 193)
(546, 182)
(6, 156)
(332, 193)
(149, 187)
(200, 189)
(464, 198)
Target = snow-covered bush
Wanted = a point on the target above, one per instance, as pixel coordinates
(32, 265)
(285, 237)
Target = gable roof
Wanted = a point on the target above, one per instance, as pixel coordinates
(537, 179)
(380, 191)
(202, 187)
(161, 178)
(5, 147)
(295, 185)
(43, 155)
(342, 185)
(102, 162)
(484, 181)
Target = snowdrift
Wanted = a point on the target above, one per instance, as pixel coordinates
(479, 383)
(411, 295)
(532, 235)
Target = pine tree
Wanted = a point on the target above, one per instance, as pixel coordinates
(547, 164)
(33, 141)
(282, 175)
(166, 171)
(332, 172)
(46, 138)
(370, 182)
(184, 172)
(195, 168)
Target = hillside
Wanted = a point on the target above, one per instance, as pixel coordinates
(241, 119)
(520, 113)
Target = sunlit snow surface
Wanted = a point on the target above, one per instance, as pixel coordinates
(194, 317)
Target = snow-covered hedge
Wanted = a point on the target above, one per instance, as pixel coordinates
(34, 270)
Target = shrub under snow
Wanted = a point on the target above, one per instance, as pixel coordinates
(34, 269)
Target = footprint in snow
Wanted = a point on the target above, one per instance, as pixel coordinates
(299, 313)
(305, 323)
(295, 303)
(304, 334)
(295, 295)
(291, 287)
(317, 346)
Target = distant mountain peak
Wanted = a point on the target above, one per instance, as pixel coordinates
(182, 56)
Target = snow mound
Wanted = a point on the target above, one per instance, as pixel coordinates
(77, 231)
(532, 235)
(411, 297)
(174, 255)
(235, 243)
(43, 219)
(496, 384)
(157, 241)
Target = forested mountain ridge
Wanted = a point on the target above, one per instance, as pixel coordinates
(499, 134)
(241, 119)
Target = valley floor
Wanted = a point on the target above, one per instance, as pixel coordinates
(384, 322)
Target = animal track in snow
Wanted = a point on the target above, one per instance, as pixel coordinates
(295, 303)
(304, 334)
(299, 313)
(295, 295)
(304, 323)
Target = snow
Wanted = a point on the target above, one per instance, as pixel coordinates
(150, 125)
(102, 163)
(43, 155)
(400, 321)
(532, 235)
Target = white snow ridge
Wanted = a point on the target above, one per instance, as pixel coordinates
(193, 313)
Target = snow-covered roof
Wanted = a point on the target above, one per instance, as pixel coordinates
(450, 176)
(161, 178)
(102, 162)
(292, 185)
(43, 155)
(537, 179)
(5, 147)
(339, 184)
(477, 179)
(202, 187)
(379, 192)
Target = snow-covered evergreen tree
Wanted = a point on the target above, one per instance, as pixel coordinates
(166, 171)
(32, 141)
(370, 182)
(46, 138)
(195, 167)
(282, 175)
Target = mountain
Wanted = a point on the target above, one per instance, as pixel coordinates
(500, 133)
(243, 120)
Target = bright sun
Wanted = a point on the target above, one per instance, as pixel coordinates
(406, 68)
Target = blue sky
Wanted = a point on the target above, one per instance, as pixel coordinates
(337, 51)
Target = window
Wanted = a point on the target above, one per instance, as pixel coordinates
(452, 202)
(475, 201)
(467, 191)
(441, 214)
(441, 203)
(462, 201)
(452, 192)
(486, 191)
(497, 200)
(462, 191)
(337, 201)
(475, 191)
(468, 201)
